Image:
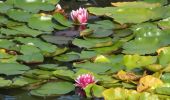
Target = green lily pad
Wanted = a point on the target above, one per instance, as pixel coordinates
(131, 13)
(61, 74)
(92, 42)
(38, 74)
(4, 7)
(137, 61)
(34, 6)
(97, 90)
(163, 90)
(163, 2)
(104, 24)
(94, 67)
(23, 81)
(41, 22)
(31, 58)
(164, 56)
(165, 23)
(19, 15)
(43, 46)
(3, 20)
(12, 68)
(4, 83)
(146, 30)
(166, 77)
(62, 20)
(6, 44)
(48, 66)
(20, 30)
(53, 89)
(57, 39)
(67, 57)
(141, 46)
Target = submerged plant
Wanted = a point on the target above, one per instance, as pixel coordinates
(79, 16)
(85, 79)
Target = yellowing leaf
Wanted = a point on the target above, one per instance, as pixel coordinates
(126, 76)
(148, 82)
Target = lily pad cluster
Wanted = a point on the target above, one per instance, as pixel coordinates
(127, 50)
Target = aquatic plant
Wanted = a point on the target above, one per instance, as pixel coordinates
(85, 79)
(79, 16)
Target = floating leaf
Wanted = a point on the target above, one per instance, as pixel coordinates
(19, 15)
(163, 90)
(57, 39)
(148, 82)
(92, 42)
(41, 22)
(95, 67)
(166, 77)
(12, 68)
(53, 89)
(34, 6)
(61, 74)
(67, 57)
(31, 58)
(136, 61)
(164, 56)
(4, 7)
(4, 83)
(165, 23)
(20, 30)
(45, 47)
(97, 90)
(62, 20)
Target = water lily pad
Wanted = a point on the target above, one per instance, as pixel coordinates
(41, 22)
(20, 30)
(49, 67)
(23, 81)
(4, 7)
(163, 2)
(99, 33)
(62, 20)
(95, 67)
(19, 15)
(67, 57)
(166, 77)
(135, 13)
(57, 39)
(136, 61)
(53, 89)
(163, 90)
(44, 46)
(92, 42)
(34, 5)
(38, 74)
(62, 74)
(164, 56)
(31, 58)
(4, 83)
(165, 23)
(97, 90)
(12, 68)
(141, 46)
(6, 44)
(148, 82)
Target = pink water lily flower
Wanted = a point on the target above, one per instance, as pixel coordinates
(85, 79)
(79, 16)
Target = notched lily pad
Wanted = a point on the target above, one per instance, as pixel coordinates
(53, 89)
